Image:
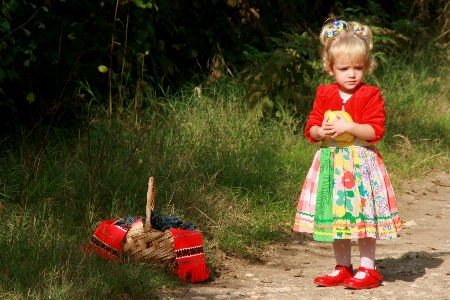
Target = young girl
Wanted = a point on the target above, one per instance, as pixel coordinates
(347, 193)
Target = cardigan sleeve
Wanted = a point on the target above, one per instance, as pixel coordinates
(373, 113)
(317, 113)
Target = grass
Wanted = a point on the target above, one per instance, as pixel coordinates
(236, 178)
(417, 138)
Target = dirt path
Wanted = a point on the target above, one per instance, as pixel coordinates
(414, 266)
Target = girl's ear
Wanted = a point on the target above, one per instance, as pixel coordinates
(331, 73)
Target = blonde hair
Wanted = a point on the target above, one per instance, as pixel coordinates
(346, 38)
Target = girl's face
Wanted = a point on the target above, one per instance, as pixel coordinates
(348, 73)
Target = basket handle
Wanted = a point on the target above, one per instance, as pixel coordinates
(150, 203)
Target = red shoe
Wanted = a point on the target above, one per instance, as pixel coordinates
(371, 280)
(344, 273)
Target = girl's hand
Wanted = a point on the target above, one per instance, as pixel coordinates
(318, 132)
(337, 127)
(324, 130)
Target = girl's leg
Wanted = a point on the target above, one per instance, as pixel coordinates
(343, 270)
(342, 254)
(367, 247)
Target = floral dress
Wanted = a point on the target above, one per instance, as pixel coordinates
(347, 194)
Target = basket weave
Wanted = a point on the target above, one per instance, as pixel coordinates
(146, 244)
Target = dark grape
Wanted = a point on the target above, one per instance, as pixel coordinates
(188, 226)
(160, 222)
(127, 221)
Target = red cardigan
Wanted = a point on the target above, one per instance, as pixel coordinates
(365, 106)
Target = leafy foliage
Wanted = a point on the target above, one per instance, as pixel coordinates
(202, 150)
(284, 75)
(50, 50)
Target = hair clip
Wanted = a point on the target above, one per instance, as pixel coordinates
(332, 29)
(359, 30)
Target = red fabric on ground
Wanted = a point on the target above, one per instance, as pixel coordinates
(189, 255)
(107, 241)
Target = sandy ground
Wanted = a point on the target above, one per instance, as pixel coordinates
(414, 266)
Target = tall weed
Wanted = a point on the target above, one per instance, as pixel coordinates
(236, 177)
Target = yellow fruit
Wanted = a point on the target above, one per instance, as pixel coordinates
(346, 137)
(333, 115)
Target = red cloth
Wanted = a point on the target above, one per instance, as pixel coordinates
(365, 106)
(107, 241)
(189, 255)
(108, 238)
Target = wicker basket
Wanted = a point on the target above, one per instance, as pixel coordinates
(146, 244)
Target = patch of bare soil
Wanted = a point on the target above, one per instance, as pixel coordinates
(414, 266)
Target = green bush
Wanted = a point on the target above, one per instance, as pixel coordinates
(50, 50)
